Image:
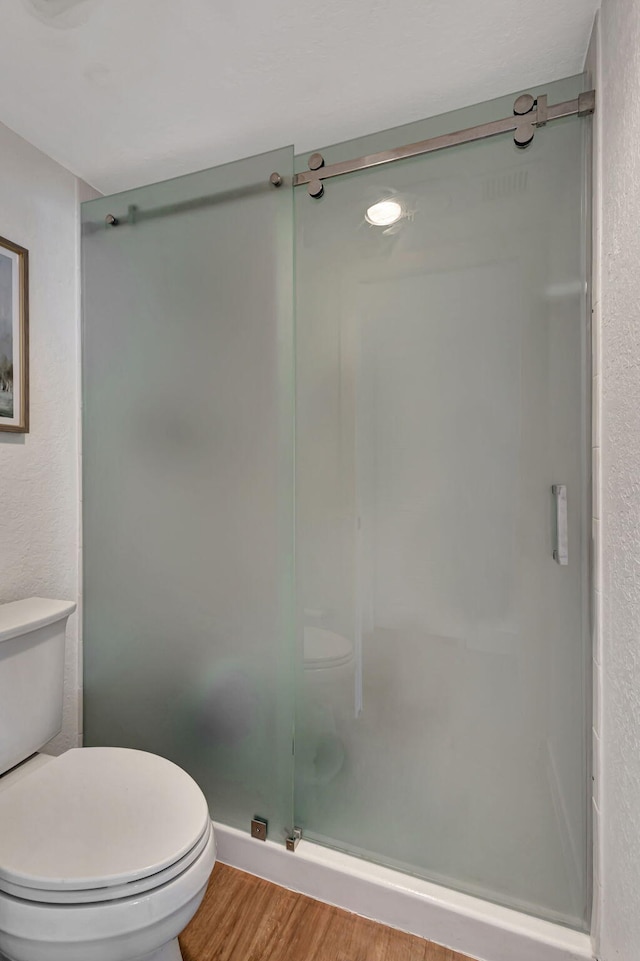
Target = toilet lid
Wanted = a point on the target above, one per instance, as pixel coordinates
(97, 817)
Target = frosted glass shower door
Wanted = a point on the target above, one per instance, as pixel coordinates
(188, 489)
(443, 685)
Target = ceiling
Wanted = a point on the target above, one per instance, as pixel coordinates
(125, 92)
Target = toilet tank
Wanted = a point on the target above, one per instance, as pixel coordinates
(31, 675)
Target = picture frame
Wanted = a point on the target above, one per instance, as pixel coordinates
(14, 337)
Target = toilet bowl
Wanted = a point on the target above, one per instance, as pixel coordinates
(327, 656)
(326, 705)
(108, 857)
(109, 850)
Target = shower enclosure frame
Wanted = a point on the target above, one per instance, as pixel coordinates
(409, 902)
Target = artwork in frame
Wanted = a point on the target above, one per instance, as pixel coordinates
(14, 337)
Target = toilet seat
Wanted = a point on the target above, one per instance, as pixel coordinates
(99, 824)
(112, 892)
(324, 649)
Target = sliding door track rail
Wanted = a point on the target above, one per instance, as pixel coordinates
(528, 114)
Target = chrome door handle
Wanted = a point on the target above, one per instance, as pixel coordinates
(561, 549)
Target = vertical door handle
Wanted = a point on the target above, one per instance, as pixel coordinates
(561, 549)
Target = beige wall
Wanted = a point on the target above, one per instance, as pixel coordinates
(39, 489)
(617, 416)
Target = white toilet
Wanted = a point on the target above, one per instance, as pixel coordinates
(329, 669)
(105, 853)
(326, 706)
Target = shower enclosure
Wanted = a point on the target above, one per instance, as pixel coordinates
(388, 646)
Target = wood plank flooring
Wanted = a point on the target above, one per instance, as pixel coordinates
(244, 918)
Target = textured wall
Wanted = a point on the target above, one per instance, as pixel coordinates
(619, 923)
(39, 471)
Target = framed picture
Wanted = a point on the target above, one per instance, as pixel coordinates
(14, 337)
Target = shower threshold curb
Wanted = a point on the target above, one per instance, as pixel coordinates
(458, 921)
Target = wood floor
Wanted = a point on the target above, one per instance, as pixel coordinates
(244, 918)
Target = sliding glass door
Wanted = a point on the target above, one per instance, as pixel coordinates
(441, 396)
(187, 472)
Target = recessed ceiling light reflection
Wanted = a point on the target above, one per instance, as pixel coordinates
(384, 213)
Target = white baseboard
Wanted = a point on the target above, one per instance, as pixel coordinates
(470, 925)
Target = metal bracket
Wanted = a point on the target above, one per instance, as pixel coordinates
(316, 187)
(259, 828)
(524, 132)
(534, 113)
(294, 839)
(523, 104)
(542, 110)
(586, 103)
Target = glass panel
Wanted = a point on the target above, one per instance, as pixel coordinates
(188, 480)
(443, 659)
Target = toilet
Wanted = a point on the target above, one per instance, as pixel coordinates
(105, 853)
(329, 671)
(326, 706)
